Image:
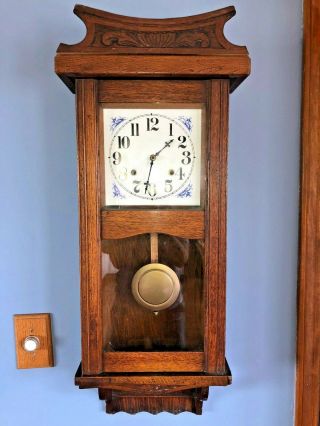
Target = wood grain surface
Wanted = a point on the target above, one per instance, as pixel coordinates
(308, 342)
(215, 242)
(126, 223)
(189, 380)
(117, 34)
(189, 400)
(89, 206)
(115, 362)
(117, 46)
(160, 91)
(91, 65)
(38, 325)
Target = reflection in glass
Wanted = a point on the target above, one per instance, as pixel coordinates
(128, 326)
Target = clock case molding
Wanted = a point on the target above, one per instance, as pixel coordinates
(176, 60)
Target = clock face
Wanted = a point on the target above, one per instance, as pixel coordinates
(152, 156)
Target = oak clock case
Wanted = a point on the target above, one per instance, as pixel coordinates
(152, 119)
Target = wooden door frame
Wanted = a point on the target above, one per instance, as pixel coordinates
(308, 348)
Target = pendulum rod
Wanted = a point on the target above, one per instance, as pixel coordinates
(154, 253)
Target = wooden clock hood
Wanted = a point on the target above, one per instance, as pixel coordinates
(188, 47)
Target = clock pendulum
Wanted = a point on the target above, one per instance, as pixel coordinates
(152, 100)
(155, 286)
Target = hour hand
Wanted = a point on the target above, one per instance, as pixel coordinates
(166, 144)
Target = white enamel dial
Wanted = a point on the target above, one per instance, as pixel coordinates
(152, 156)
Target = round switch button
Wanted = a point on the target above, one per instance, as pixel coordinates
(31, 343)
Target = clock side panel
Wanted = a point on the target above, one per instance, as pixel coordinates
(216, 229)
(88, 140)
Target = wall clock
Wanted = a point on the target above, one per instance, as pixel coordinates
(152, 123)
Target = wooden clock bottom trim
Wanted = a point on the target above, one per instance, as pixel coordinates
(173, 402)
(153, 393)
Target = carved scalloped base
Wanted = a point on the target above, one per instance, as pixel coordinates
(154, 401)
(153, 393)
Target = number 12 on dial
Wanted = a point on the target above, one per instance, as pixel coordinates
(152, 157)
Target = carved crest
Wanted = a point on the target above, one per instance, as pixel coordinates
(189, 47)
(111, 33)
(113, 37)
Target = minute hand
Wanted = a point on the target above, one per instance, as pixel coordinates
(166, 144)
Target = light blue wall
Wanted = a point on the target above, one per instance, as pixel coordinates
(39, 229)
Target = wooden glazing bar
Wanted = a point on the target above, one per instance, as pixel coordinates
(153, 361)
(163, 91)
(126, 223)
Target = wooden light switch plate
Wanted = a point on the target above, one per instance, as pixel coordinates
(38, 326)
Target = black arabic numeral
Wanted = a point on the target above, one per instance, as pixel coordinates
(152, 123)
(137, 186)
(182, 139)
(124, 142)
(152, 189)
(134, 129)
(168, 185)
(116, 158)
(187, 159)
(180, 173)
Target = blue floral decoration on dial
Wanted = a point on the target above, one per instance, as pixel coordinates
(115, 121)
(186, 121)
(116, 193)
(186, 192)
